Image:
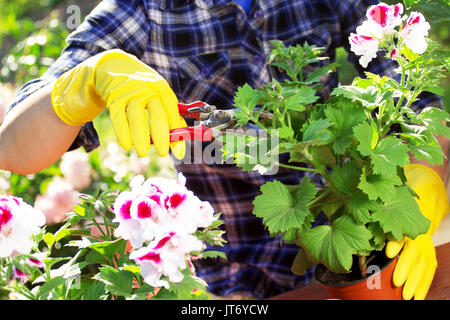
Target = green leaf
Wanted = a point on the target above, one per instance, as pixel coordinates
(109, 248)
(365, 135)
(378, 186)
(378, 240)
(367, 96)
(49, 286)
(322, 155)
(334, 245)
(432, 118)
(431, 152)
(49, 239)
(345, 115)
(117, 282)
(316, 74)
(303, 96)
(301, 263)
(361, 207)
(389, 154)
(400, 215)
(316, 131)
(385, 156)
(346, 178)
(213, 254)
(95, 291)
(289, 211)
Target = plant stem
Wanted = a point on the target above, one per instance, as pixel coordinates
(323, 195)
(362, 266)
(297, 168)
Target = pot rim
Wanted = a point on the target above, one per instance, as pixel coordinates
(388, 263)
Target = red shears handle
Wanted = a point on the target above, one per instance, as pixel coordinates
(196, 133)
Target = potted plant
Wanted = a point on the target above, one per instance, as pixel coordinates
(136, 245)
(353, 146)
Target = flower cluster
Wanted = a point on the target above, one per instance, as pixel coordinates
(380, 30)
(18, 222)
(159, 218)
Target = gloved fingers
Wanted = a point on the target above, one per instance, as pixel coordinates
(393, 247)
(120, 123)
(159, 126)
(414, 278)
(179, 147)
(425, 283)
(406, 260)
(170, 103)
(139, 127)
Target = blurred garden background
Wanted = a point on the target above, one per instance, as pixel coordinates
(32, 35)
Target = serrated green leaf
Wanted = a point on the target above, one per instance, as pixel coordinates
(400, 215)
(344, 115)
(346, 178)
(389, 154)
(361, 207)
(385, 156)
(117, 282)
(303, 96)
(316, 131)
(288, 211)
(367, 96)
(364, 134)
(378, 186)
(433, 117)
(95, 291)
(109, 248)
(378, 240)
(334, 245)
(213, 254)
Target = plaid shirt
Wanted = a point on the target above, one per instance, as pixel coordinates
(206, 49)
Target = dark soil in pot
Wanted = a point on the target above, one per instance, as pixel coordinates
(351, 286)
(328, 277)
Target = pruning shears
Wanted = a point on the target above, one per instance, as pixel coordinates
(212, 122)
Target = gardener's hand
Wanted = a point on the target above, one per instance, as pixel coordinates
(417, 263)
(129, 89)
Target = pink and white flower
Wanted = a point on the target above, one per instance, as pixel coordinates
(159, 218)
(18, 275)
(382, 19)
(159, 204)
(364, 46)
(413, 33)
(129, 228)
(18, 222)
(166, 256)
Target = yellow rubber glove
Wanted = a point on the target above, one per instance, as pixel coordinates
(129, 89)
(417, 262)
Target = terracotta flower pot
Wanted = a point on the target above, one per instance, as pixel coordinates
(378, 286)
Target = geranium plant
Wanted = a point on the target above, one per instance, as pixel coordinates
(137, 244)
(353, 147)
